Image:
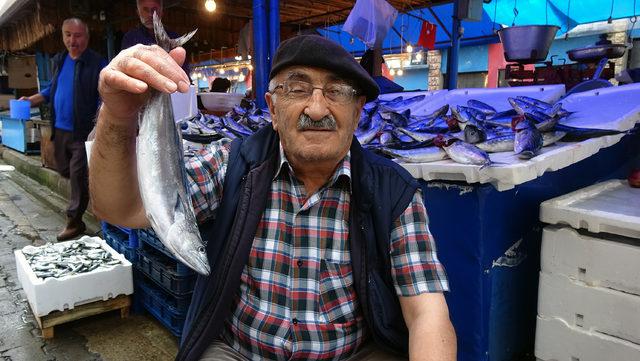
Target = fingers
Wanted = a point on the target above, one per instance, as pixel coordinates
(150, 65)
(112, 79)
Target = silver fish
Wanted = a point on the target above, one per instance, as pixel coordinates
(549, 138)
(418, 155)
(484, 108)
(162, 175)
(528, 140)
(498, 144)
(463, 152)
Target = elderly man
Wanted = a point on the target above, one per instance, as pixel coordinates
(74, 95)
(319, 249)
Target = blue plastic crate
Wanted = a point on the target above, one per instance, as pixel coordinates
(120, 244)
(149, 238)
(179, 303)
(153, 302)
(162, 271)
(126, 235)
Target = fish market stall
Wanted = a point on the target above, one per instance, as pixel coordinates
(74, 279)
(485, 218)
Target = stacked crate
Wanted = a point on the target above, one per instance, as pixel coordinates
(163, 285)
(589, 289)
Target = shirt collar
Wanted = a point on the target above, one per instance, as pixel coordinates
(343, 170)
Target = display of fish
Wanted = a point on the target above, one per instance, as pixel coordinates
(418, 155)
(162, 175)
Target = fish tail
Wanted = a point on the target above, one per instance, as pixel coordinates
(163, 39)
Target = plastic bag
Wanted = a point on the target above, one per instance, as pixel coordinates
(370, 21)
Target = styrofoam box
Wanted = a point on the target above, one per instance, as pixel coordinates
(58, 294)
(592, 308)
(612, 263)
(558, 341)
(612, 207)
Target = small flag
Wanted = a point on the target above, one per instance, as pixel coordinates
(427, 35)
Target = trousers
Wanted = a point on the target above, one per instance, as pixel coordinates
(71, 161)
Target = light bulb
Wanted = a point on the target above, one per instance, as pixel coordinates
(392, 72)
(210, 5)
(250, 67)
(241, 77)
(221, 71)
(249, 57)
(409, 48)
(236, 69)
(400, 72)
(238, 57)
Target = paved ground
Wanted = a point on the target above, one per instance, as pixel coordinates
(25, 220)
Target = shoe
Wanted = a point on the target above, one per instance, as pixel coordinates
(74, 228)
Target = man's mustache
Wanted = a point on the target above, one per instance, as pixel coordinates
(305, 122)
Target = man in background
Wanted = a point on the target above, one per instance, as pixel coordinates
(143, 34)
(74, 95)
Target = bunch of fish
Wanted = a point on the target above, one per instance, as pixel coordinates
(468, 133)
(162, 175)
(243, 120)
(62, 260)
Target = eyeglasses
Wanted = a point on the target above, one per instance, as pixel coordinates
(301, 90)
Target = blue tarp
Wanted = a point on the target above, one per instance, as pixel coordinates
(565, 13)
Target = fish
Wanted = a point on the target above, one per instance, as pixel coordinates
(474, 133)
(417, 136)
(162, 175)
(502, 143)
(549, 138)
(484, 108)
(528, 139)
(367, 135)
(579, 134)
(463, 152)
(418, 155)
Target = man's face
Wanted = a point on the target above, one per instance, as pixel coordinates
(75, 38)
(313, 129)
(145, 12)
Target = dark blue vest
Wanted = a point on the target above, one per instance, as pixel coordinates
(85, 92)
(381, 189)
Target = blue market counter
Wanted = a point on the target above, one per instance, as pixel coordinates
(489, 243)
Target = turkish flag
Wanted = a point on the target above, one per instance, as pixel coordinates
(427, 35)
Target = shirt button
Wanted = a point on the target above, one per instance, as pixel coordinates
(300, 263)
(295, 321)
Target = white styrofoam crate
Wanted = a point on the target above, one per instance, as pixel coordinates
(558, 341)
(58, 294)
(593, 308)
(612, 263)
(612, 207)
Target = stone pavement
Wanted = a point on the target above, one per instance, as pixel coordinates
(25, 220)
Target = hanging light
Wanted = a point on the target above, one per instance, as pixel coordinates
(250, 67)
(241, 77)
(236, 69)
(249, 57)
(238, 57)
(221, 71)
(409, 48)
(392, 72)
(400, 72)
(210, 5)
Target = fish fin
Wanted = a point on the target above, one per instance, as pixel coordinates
(162, 38)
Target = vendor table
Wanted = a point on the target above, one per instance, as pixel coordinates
(486, 225)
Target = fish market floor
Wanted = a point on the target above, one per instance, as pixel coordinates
(24, 220)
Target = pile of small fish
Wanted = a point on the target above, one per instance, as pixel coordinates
(60, 260)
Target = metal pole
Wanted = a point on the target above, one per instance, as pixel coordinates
(260, 49)
(110, 40)
(274, 29)
(452, 63)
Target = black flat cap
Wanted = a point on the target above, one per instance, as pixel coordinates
(316, 51)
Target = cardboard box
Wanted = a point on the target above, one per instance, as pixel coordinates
(23, 72)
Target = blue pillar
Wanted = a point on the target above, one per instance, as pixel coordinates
(274, 28)
(110, 39)
(260, 52)
(452, 64)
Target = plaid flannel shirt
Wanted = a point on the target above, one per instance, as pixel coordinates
(296, 298)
